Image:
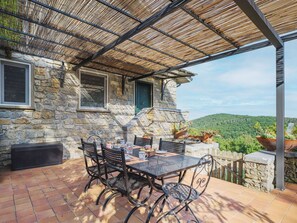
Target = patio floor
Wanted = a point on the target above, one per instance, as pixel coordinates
(55, 194)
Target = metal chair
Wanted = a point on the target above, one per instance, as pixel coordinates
(186, 194)
(139, 141)
(94, 163)
(124, 183)
(173, 147)
(96, 137)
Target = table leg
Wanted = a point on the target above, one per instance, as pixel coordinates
(182, 176)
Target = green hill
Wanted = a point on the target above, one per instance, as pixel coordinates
(232, 126)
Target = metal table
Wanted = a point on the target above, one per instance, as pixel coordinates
(160, 166)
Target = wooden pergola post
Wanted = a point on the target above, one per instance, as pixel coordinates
(280, 114)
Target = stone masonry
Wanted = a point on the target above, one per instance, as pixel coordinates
(55, 115)
(156, 122)
(259, 171)
(291, 169)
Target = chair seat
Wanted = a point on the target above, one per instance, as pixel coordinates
(135, 182)
(94, 170)
(180, 191)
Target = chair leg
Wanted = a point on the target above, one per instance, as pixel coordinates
(151, 212)
(139, 193)
(163, 216)
(163, 204)
(141, 203)
(86, 187)
(168, 213)
(183, 207)
(100, 195)
(130, 214)
(176, 217)
(171, 212)
(188, 207)
(109, 198)
(89, 184)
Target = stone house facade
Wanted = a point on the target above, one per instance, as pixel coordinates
(55, 114)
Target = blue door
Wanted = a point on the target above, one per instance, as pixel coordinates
(143, 97)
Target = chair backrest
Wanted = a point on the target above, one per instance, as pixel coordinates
(139, 141)
(115, 159)
(91, 157)
(202, 174)
(174, 147)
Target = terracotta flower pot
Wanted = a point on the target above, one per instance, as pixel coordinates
(270, 144)
(180, 134)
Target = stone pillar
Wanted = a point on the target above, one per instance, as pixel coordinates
(259, 171)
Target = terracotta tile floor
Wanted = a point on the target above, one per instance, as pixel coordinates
(55, 194)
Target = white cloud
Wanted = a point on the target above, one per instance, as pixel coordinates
(247, 77)
(242, 84)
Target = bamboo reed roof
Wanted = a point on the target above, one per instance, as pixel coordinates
(73, 30)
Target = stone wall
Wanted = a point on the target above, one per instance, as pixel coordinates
(55, 115)
(258, 168)
(291, 168)
(157, 122)
(259, 171)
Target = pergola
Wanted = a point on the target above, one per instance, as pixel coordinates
(138, 39)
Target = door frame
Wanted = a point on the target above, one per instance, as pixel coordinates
(152, 92)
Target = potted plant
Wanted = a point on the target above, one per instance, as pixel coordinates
(204, 136)
(267, 137)
(180, 131)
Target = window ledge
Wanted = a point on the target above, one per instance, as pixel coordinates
(99, 110)
(21, 107)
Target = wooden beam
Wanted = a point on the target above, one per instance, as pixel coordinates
(73, 35)
(42, 39)
(280, 119)
(244, 49)
(209, 26)
(250, 8)
(50, 58)
(59, 53)
(101, 28)
(145, 24)
(107, 4)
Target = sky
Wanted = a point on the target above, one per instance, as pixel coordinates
(243, 84)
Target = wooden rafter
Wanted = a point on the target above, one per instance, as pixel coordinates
(72, 35)
(145, 24)
(154, 28)
(285, 38)
(102, 28)
(250, 8)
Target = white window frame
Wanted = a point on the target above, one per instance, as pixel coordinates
(28, 95)
(94, 73)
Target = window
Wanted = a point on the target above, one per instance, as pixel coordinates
(93, 90)
(15, 82)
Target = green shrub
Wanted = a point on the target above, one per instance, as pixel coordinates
(9, 21)
(241, 144)
(270, 131)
